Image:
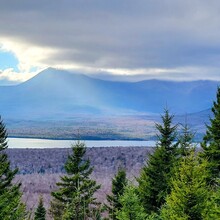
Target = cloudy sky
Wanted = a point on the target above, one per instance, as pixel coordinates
(117, 39)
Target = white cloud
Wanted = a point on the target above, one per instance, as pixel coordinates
(9, 76)
(29, 56)
(30, 61)
(146, 39)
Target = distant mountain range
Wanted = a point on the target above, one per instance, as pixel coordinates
(56, 94)
(54, 101)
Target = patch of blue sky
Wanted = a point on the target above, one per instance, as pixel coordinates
(8, 60)
(33, 69)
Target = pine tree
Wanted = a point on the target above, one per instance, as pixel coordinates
(155, 175)
(119, 183)
(132, 208)
(11, 206)
(75, 196)
(185, 140)
(74, 209)
(40, 213)
(190, 197)
(6, 174)
(211, 141)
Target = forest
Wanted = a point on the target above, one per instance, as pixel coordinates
(176, 182)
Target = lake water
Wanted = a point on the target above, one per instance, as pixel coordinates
(47, 143)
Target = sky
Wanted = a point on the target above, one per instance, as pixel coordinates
(115, 40)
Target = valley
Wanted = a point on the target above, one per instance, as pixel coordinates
(57, 104)
(125, 127)
(40, 169)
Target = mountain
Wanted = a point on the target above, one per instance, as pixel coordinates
(58, 94)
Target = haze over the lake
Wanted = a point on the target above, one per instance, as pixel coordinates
(116, 40)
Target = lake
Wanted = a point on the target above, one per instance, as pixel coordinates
(47, 143)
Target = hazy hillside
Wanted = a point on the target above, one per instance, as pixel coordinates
(55, 94)
(59, 104)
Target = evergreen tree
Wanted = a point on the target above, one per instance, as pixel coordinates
(11, 206)
(119, 183)
(155, 176)
(6, 174)
(75, 196)
(190, 197)
(132, 208)
(74, 209)
(185, 140)
(211, 141)
(40, 213)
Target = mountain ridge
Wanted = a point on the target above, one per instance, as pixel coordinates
(58, 93)
(59, 104)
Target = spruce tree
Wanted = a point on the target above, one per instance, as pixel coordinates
(119, 183)
(185, 140)
(40, 213)
(6, 174)
(132, 208)
(190, 197)
(75, 197)
(154, 180)
(211, 141)
(11, 206)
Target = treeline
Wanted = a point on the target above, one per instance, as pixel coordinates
(176, 183)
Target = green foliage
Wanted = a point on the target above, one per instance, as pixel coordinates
(167, 132)
(185, 140)
(74, 199)
(57, 209)
(75, 209)
(211, 141)
(118, 184)
(132, 208)
(155, 176)
(6, 174)
(190, 197)
(11, 206)
(154, 216)
(40, 213)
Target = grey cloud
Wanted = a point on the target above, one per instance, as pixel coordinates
(118, 34)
